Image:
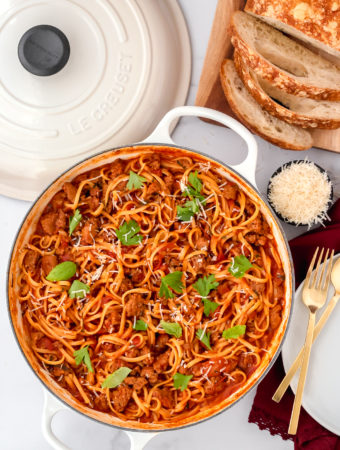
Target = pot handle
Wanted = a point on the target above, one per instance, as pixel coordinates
(161, 134)
(51, 406)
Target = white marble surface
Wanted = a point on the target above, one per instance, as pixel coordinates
(21, 393)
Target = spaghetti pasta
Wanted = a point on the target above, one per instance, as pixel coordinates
(177, 274)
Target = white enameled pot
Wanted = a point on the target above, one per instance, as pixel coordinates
(243, 175)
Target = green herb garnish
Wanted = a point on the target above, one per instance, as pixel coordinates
(194, 191)
(234, 332)
(135, 181)
(128, 233)
(172, 280)
(78, 289)
(82, 355)
(74, 221)
(181, 381)
(116, 378)
(239, 265)
(203, 286)
(172, 328)
(140, 325)
(62, 272)
(204, 337)
(191, 207)
(209, 306)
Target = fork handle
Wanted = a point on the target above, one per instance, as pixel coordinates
(294, 419)
(298, 360)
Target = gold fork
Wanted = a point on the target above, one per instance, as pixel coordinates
(314, 295)
(335, 277)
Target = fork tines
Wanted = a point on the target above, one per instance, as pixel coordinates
(311, 279)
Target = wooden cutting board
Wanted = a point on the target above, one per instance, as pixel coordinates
(210, 93)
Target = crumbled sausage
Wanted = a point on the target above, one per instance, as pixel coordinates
(278, 291)
(100, 402)
(70, 191)
(137, 275)
(131, 353)
(214, 385)
(198, 262)
(89, 231)
(30, 260)
(154, 162)
(134, 306)
(60, 223)
(146, 351)
(48, 262)
(229, 192)
(153, 188)
(258, 288)
(48, 222)
(58, 201)
(94, 198)
(165, 396)
(246, 361)
(125, 285)
(169, 181)
(161, 342)
(202, 244)
(149, 374)
(117, 168)
(275, 317)
(162, 362)
(120, 397)
(137, 383)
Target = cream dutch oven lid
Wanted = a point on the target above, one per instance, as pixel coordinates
(80, 76)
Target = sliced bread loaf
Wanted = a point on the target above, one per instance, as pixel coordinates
(282, 61)
(306, 112)
(315, 22)
(256, 118)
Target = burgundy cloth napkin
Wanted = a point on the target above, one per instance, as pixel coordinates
(275, 417)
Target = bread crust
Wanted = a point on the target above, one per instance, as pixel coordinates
(275, 108)
(251, 126)
(317, 19)
(276, 76)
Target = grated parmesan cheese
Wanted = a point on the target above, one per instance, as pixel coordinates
(300, 193)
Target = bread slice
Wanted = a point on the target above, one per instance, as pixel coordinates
(257, 119)
(316, 22)
(306, 112)
(283, 62)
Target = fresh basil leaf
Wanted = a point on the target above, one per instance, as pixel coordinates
(206, 284)
(193, 205)
(140, 325)
(203, 286)
(239, 265)
(195, 181)
(82, 355)
(172, 328)
(234, 332)
(127, 233)
(172, 280)
(74, 221)
(181, 381)
(116, 378)
(62, 272)
(204, 337)
(209, 307)
(184, 214)
(135, 181)
(78, 289)
(190, 192)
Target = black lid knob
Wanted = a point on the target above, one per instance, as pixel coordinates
(44, 50)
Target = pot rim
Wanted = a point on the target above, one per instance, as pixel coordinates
(291, 267)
